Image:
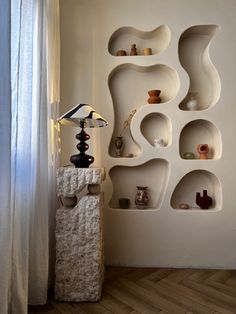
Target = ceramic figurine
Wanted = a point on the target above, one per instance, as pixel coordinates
(141, 197)
(204, 201)
(203, 150)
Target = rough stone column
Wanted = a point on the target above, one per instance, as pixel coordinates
(79, 266)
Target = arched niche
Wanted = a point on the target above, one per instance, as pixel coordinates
(156, 126)
(122, 39)
(194, 56)
(200, 132)
(154, 174)
(197, 181)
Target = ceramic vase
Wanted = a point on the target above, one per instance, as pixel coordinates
(154, 96)
(133, 51)
(119, 143)
(203, 150)
(141, 197)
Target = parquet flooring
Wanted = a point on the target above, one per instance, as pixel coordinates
(156, 290)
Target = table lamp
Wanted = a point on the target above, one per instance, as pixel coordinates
(84, 116)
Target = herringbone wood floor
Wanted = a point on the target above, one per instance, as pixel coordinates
(157, 290)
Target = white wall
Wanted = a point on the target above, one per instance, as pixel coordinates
(163, 237)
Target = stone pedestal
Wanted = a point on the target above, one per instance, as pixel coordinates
(79, 269)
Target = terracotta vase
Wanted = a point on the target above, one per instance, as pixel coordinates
(141, 197)
(154, 96)
(203, 150)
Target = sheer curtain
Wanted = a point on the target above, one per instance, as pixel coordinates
(29, 98)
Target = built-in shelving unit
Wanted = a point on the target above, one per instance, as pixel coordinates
(150, 164)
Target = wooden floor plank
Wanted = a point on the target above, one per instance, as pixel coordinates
(156, 290)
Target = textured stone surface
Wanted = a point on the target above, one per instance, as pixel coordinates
(71, 181)
(79, 251)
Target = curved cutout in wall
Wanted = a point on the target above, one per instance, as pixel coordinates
(129, 85)
(157, 126)
(122, 39)
(200, 132)
(197, 181)
(154, 174)
(194, 56)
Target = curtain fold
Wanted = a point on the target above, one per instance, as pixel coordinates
(28, 112)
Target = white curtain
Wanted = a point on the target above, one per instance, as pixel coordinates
(29, 98)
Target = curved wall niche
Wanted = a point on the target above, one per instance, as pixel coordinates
(197, 181)
(200, 132)
(122, 39)
(153, 174)
(194, 56)
(156, 125)
(129, 85)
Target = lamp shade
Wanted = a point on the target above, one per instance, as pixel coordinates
(83, 113)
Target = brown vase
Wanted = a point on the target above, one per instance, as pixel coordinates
(154, 96)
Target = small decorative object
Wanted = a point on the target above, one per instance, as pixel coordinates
(68, 201)
(141, 197)
(121, 53)
(124, 203)
(119, 144)
(154, 96)
(147, 51)
(192, 101)
(133, 51)
(203, 150)
(94, 189)
(204, 201)
(184, 206)
(159, 142)
(189, 155)
(84, 116)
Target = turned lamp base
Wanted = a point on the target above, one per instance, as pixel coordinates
(82, 160)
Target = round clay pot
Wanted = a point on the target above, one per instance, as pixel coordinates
(154, 96)
(121, 53)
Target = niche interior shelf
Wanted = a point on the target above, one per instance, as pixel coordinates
(157, 125)
(154, 174)
(129, 85)
(200, 132)
(122, 39)
(194, 56)
(197, 181)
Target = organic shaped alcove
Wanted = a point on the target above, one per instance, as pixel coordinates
(154, 174)
(197, 181)
(122, 39)
(129, 85)
(157, 126)
(194, 56)
(200, 132)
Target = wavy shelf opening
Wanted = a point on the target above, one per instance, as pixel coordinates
(157, 126)
(122, 39)
(200, 132)
(129, 85)
(197, 181)
(154, 174)
(194, 56)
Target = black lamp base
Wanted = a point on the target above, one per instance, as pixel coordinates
(81, 160)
